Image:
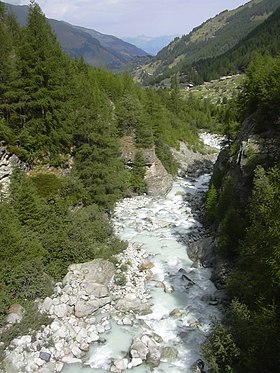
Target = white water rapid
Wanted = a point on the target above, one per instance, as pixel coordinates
(157, 224)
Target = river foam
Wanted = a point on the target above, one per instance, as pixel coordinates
(181, 314)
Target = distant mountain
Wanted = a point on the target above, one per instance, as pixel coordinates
(97, 49)
(214, 37)
(114, 44)
(150, 44)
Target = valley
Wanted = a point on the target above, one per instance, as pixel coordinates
(139, 197)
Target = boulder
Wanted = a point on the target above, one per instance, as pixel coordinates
(85, 308)
(198, 367)
(8, 162)
(144, 266)
(153, 357)
(61, 310)
(15, 314)
(98, 271)
(135, 362)
(135, 305)
(71, 360)
(149, 341)
(158, 180)
(46, 305)
(127, 321)
(168, 354)
(177, 313)
(121, 364)
(45, 356)
(96, 290)
(138, 349)
(202, 252)
(48, 368)
(168, 289)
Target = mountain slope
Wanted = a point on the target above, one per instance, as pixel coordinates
(264, 39)
(212, 38)
(114, 44)
(97, 49)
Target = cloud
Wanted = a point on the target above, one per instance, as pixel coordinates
(134, 17)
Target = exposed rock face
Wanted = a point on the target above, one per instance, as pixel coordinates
(191, 163)
(202, 252)
(91, 274)
(8, 162)
(129, 150)
(251, 149)
(159, 182)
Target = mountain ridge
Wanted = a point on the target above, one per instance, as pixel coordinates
(212, 38)
(96, 48)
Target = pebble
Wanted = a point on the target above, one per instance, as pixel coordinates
(72, 335)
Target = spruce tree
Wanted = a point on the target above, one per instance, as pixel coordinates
(41, 88)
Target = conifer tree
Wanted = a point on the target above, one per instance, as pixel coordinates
(41, 87)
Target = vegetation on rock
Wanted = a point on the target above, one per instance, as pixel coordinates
(57, 112)
(248, 235)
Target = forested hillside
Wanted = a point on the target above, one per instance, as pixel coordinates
(213, 38)
(243, 206)
(56, 112)
(96, 49)
(264, 39)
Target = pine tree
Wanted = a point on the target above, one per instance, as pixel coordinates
(41, 88)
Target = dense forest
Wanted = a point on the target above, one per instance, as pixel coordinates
(245, 213)
(56, 111)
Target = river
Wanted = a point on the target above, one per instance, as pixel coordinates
(181, 294)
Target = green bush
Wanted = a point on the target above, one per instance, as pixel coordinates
(220, 350)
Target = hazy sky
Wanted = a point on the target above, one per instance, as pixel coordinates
(135, 17)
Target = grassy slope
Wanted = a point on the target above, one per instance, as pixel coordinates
(212, 38)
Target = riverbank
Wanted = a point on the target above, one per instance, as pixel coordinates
(152, 309)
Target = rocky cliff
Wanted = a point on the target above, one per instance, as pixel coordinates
(8, 162)
(159, 182)
(250, 149)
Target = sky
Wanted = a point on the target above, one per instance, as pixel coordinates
(124, 18)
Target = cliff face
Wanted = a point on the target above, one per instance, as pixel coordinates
(251, 148)
(8, 162)
(158, 181)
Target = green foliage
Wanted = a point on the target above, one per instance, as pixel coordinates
(32, 321)
(138, 173)
(40, 237)
(54, 109)
(227, 198)
(261, 91)
(217, 178)
(120, 279)
(256, 334)
(47, 185)
(259, 253)
(262, 40)
(254, 283)
(231, 231)
(220, 350)
(222, 45)
(211, 203)
(164, 153)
